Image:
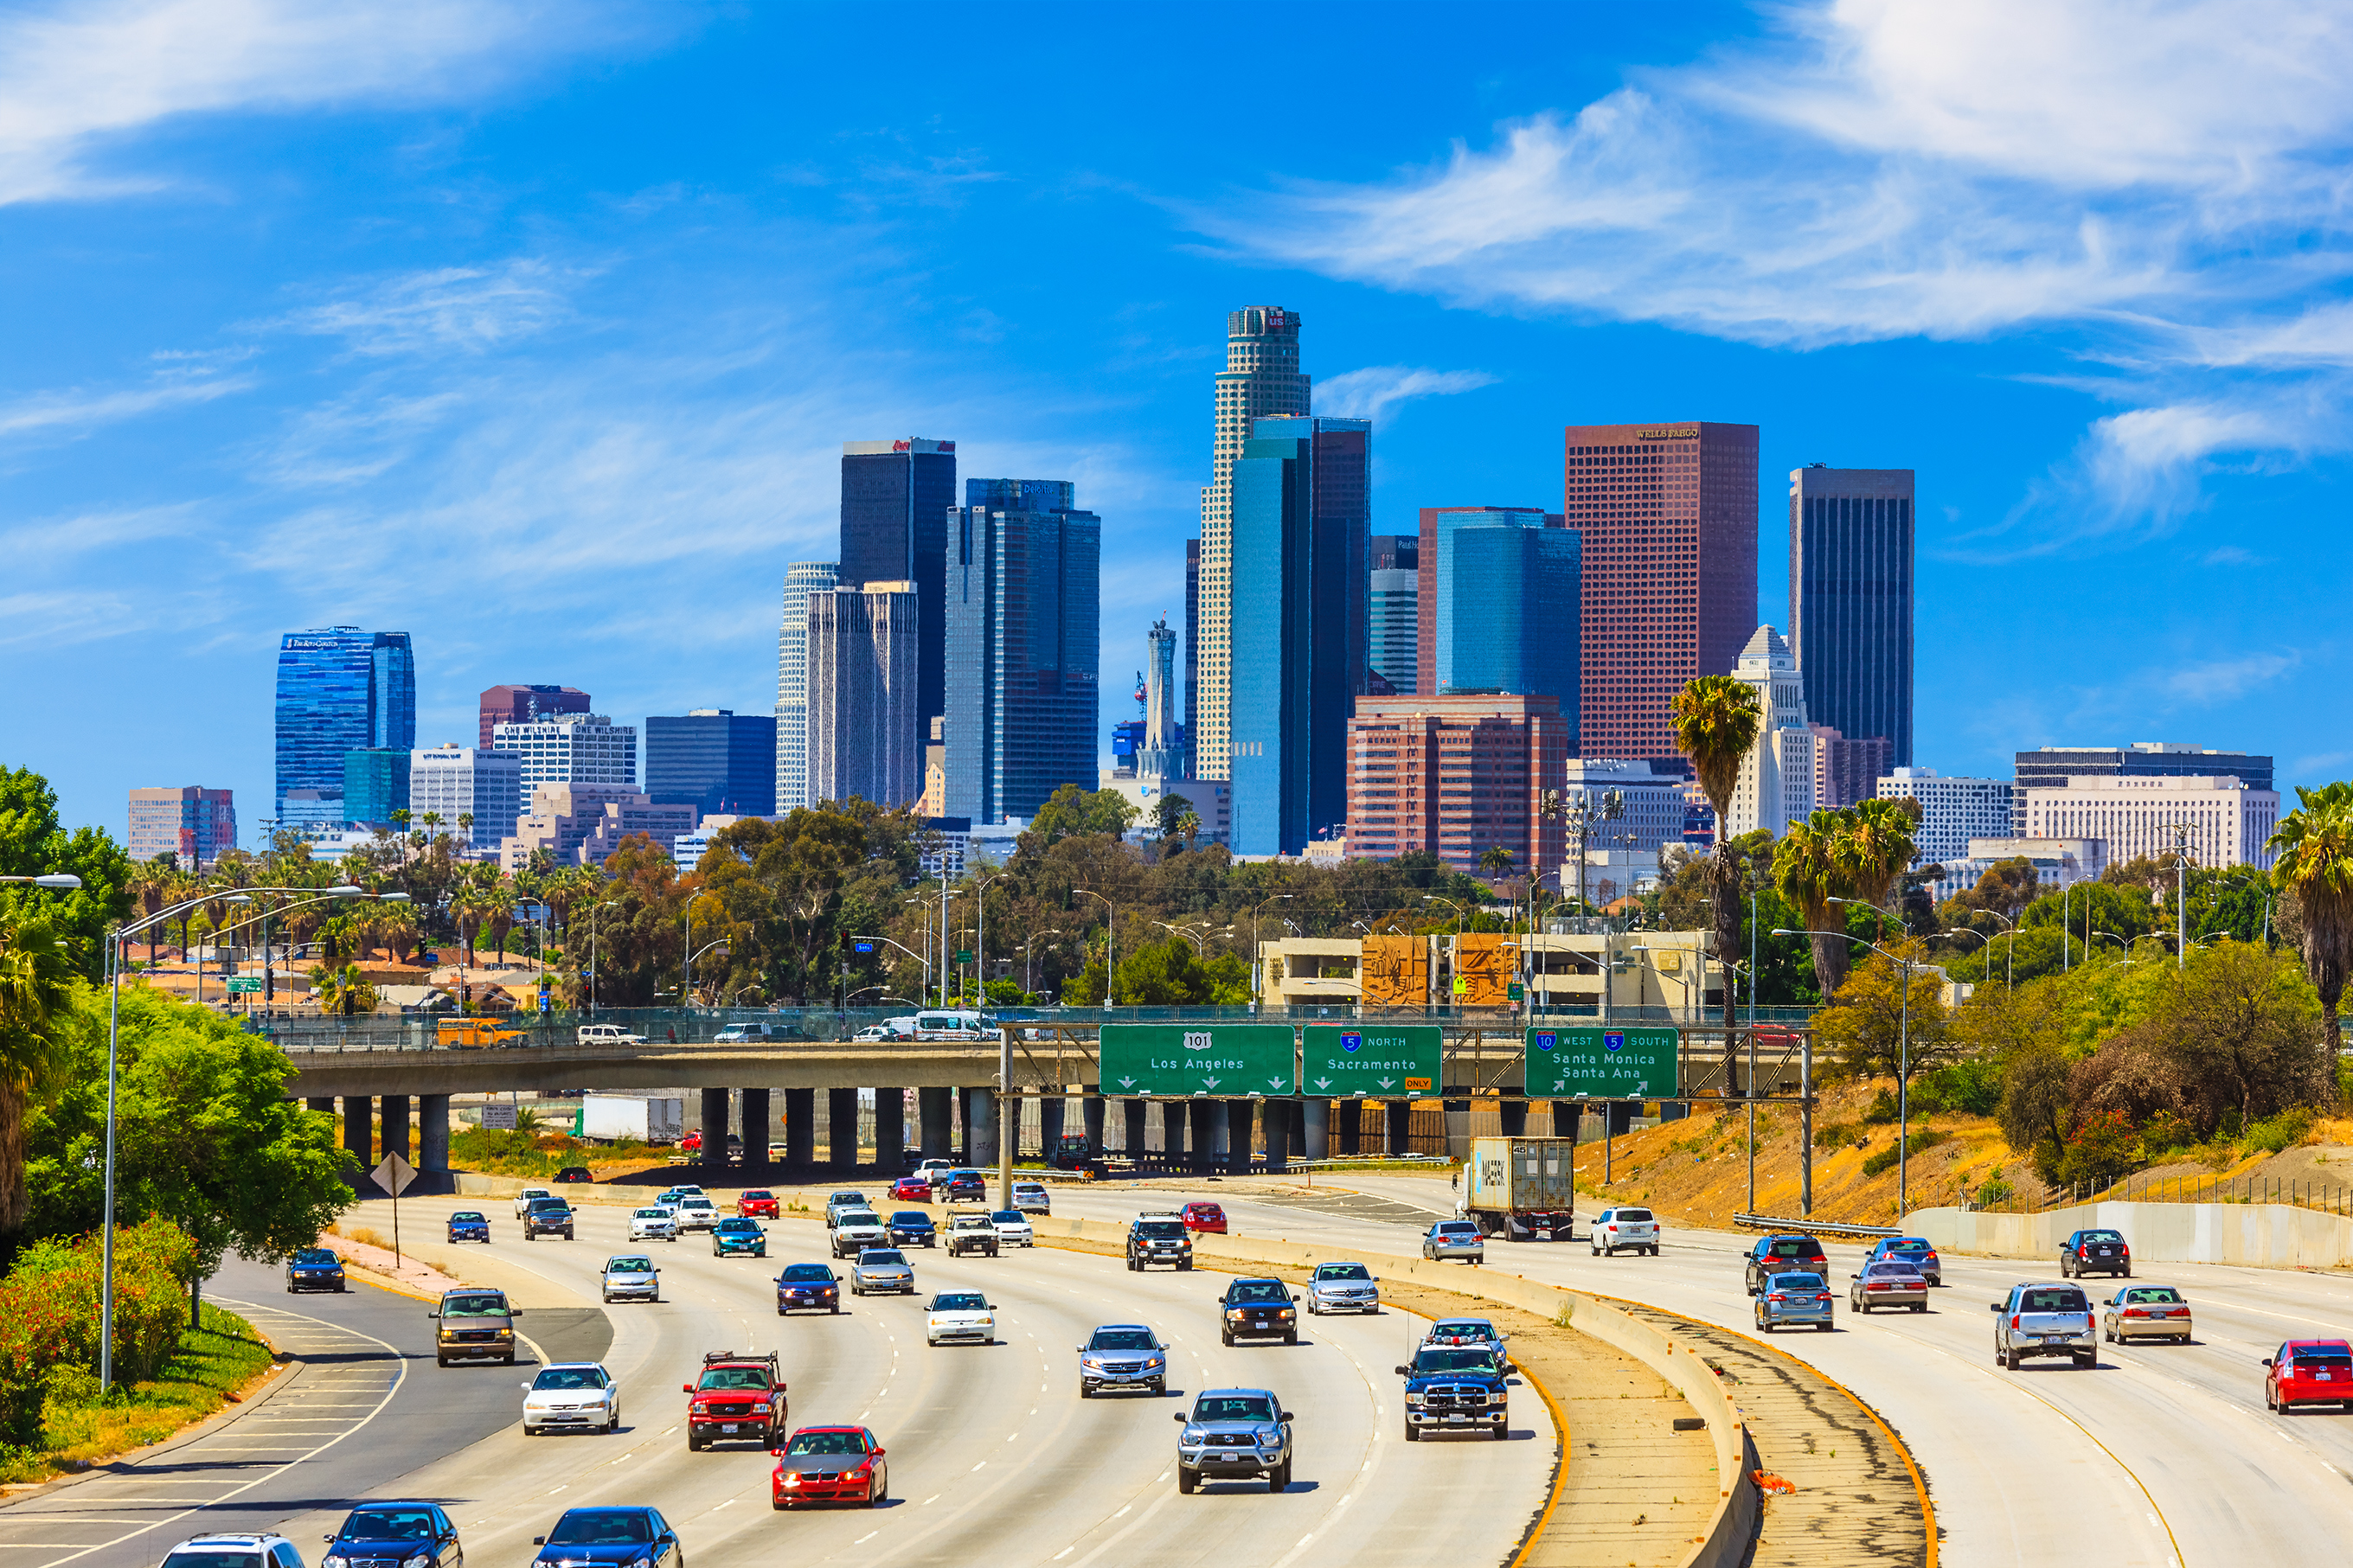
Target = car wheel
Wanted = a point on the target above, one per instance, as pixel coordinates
(1226, 1339)
(1186, 1480)
(2087, 1358)
(1920, 1306)
(1822, 1327)
(1280, 1482)
(1291, 1338)
(1597, 1252)
(1085, 1392)
(2010, 1359)
(1653, 1251)
(2127, 1270)
(1502, 1432)
(1160, 1389)
(1412, 1432)
(441, 1360)
(1184, 1265)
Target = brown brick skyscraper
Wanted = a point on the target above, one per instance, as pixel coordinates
(1669, 516)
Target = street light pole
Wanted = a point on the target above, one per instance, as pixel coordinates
(1111, 936)
(1257, 964)
(1903, 1057)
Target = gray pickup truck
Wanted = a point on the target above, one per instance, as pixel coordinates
(855, 1230)
(2044, 1319)
(1234, 1434)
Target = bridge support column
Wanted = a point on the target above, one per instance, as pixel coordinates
(1134, 1126)
(1350, 1116)
(841, 1128)
(1279, 1113)
(1174, 1116)
(395, 1111)
(1399, 1116)
(1207, 1134)
(891, 1130)
(326, 1104)
(934, 1110)
(433, 1134)
(1090, 1123)
(1565, 1113)
(1230, 1135)
(359, 1129)
(801, 1128)
(1458, 1128)
(1050, 1112)
(1315, 1117)
(753, 1124)
(714, 1135)
(980, 1128)
(1515, 1118)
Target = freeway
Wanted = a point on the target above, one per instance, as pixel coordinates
(2160, 1446)
(992, 1454)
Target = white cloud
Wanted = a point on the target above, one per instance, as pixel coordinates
(1372, 392)
(79, 411)
(74, 77)
(2225, 679)
(472, 309)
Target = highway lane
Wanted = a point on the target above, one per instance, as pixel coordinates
(992, 1454)
(2159, 1443)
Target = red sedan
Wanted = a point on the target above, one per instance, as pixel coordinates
(2308, 1371)
(757, 1205)
(912, 1190)
(829, 1464)
(1204, 1217)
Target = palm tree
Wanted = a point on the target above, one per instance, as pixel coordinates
(1190, 824)
(1877, 847)
(1716, 719)
(341, 991)
(151, 885)
(502, 896)
(399, 928)
(1809, 869)
(36, 975)
(2315, 864)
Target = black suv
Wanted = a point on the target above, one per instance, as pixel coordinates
(573, 1174)
(1783, 1254)
(1158, 1240)
(2094, 1252)
(395, 1532)
(1257, 1310)
(547, 1216)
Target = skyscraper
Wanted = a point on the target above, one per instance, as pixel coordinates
(1300, 496)
(339, 689)
(1192, 634)
(1669, 517)
(864, 647)
(515, 704)
(376, 785)
(802, 578)
(716, 760)
(1392, 627)
(1425, 564)
(1262, 380)
(1851, 600)
(1775, 786)
(1164, 750)
(194, 823)
(1507, 612)
(571, 749)
(476, 795)
(1022, 598)
(895, 497)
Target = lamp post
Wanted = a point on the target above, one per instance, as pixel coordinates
(1028, 953)
(2010, 980)
(264, 917)
(1110, 934)
(1258, 965)
(1190, 936)
(596, 921)
(1903, 1058)
(689, 996)
(980, 934)
(923, 958)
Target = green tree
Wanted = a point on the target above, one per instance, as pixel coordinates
(1876, 1027)
(1165, 974)
(1717, 719)
(35, 987)
(1071, 810)
(1809, 870)
(34, 843)
(2315, 864)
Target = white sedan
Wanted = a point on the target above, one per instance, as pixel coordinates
(653, 1225)
(578, 1395)
(1012, 1228)
(523, 1199)
(960, 1315)
(696, 1212)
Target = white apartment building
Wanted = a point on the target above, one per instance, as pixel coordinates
(1952, 811)
(2225, 823)
(570, 749)
(686, 849)
(2058, 863)
(1651, 809)
(582, 825)
(1775, 785)
(453, 782)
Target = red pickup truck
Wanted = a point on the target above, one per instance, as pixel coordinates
(739, 1398)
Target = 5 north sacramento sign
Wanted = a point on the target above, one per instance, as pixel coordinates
(1601, 1064)
(1225, 1061)
(1349, 1060)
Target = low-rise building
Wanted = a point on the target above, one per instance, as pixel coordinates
(1650, 802)
(2058, 863)
(472, 794)
(686, 849)
(1556, 970)
(1952, 811)
(2221, 819)
(582, 825)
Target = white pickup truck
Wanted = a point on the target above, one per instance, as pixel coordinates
(605, 1034)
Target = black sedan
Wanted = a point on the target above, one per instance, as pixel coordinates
(807, 1287)
(2094, 1252)
(395, 1532)
(314, 1268)
(913, 1228)
(468, 1224)
(608, 1538)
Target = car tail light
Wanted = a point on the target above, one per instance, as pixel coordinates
(1777, 1296)
(2013, 1320)
(2136, 1312)
(2084, 1250)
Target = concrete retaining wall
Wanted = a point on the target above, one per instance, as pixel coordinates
(2275, 1235)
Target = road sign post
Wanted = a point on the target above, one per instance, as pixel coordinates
(394, 1174)
(1375, 1061)
(1224, 1061)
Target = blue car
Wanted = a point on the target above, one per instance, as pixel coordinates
(737, 1237)
(314, 1268)
(807, 1287)
(635, 1537)
(418, 1532)
(467, 1226)
(1794, 1299)
(1912, 1249)
(913, 1228)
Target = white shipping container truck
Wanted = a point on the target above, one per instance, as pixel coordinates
(647, 1117)
(1523, 1189)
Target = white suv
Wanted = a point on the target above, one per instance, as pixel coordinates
(696, 1212)
(525, 1197)
(1632, 1229)
(653, 1223)
(234, 1552)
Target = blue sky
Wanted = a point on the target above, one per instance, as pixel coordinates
(535, 329)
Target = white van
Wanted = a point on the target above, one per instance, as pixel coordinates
(954, 1024)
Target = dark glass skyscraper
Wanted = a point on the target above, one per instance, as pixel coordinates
(1023, 588)
(1850, 601)
(716, 760)
(1301, 498)
(895, 497)
(340, 690)
(1507, 612)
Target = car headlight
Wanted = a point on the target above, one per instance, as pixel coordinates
(1270, 1439)
(641, 1563)
(1156, 1361)
(792, 1478)
(417, 1561)
(1412, 1397)
(1194, 1435)
(333, 1561)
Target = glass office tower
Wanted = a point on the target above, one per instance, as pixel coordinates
(895, 497)
(722, 762)
(1851, 600)
(1507, 612)
(339, 689)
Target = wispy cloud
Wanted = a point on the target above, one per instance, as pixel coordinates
(472, 309)
(2226, 679)
(1372, 392)
(79, 410)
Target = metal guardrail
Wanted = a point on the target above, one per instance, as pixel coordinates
(1768, 1222)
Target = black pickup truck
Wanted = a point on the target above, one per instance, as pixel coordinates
(1456, 1389)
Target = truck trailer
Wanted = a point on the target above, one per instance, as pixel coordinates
(1521, 1189)
(646, 1118)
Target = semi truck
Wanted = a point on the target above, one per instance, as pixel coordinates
(1521, 1189)
(644, 1118)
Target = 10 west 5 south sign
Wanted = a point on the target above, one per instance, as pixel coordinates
(1601, 1064)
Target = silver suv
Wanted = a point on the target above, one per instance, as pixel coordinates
(265, 1551)
(1234, 1434)
(855, 1230)
(2044, 1319)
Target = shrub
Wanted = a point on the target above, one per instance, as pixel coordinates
(1836, 1134)
(49, 1315)
(2274, 1134)
(2164, 1132)
(2102, 1148)
(1918, 1143)
(1881, 1110)
(1996, 1191)
(1971, 1088)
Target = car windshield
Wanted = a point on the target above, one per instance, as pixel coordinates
(1204, 1211)
(1258, 1291)
(601, 1527)
(859, 1216)
(910, 1217)
(1636, 1216)
(1122, 1340)
(466, 1216)
(389, 1524)
(827, 1443)
(1029, 1189)
(1463, 1328)
(652, 1213)
(203, 1559)
(1454, 1360)
(964, 1175)
(1343, 1271)
(313, 1255)
(1232, 1407)
(2051, 1299)
(807, 1274)
(969, 1222)
(694, 1201)
(1010, 1217)
(884, 1256)
(1795, 1247)
(2155, 1293)
(572, 1377)
(735, 1377)
(739, 1226)
(1159, 1229)
(1455, 1228)
(474, 1305)
(2100, 1236)
(2322, 1355)
(850, 1200)
(960, 1301)
(549, 1205)
(1796, 1282)
(631, 1265)
(1910, 1247)
(757, 1197)
(1892, 1270)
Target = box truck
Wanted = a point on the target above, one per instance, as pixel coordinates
(647, 1117)
(1521, 1189)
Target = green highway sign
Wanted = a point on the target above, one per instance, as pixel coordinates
(238, 987)
(1601, 1064)
(1349, 1060)
(1225, 1061)
(963, 956)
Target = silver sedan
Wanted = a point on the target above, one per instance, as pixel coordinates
(883, 1269)
(1454, 1239)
